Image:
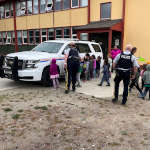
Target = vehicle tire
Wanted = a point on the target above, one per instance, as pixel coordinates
(46, 81)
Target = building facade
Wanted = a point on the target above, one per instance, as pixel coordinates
(109, 22)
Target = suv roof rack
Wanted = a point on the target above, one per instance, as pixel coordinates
(67, 39)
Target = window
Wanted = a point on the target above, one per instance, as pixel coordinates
(17, 8)
(66, 33)
(58, 33)
(19, 34)
(43, 35)
(42, 6)
(58, 4)
(83, 48)
(96, 48)
(35, 6)
(84, 36)
(24, 37)
(50, 47)
(75, 3)
(29, 6)
(66, 4)
(4, 37)
(106, 11)
(7, 11)
(83, 3)
(74, 33)
(31, 36)
(1, 12)
(37, 36)
(8, 38)
(11, 10)
(20, 8)
(50, 34)
(13, 37)
(1, 38)
(49, 6)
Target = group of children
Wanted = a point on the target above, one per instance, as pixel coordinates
(144, 73)
(89, 68)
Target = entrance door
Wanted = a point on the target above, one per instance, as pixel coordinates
(102, 39)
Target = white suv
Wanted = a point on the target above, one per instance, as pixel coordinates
(34, 65)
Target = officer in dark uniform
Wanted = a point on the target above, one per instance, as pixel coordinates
(123, 63)
(15, 69)
(1, 66)
(73, 62)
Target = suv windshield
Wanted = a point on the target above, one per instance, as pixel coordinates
(49, 47)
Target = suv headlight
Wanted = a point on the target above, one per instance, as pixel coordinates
(31, 63)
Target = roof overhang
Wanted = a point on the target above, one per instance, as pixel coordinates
(102, 25)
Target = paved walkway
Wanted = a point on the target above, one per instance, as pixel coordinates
(91, 88)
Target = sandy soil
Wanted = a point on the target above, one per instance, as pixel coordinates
(37, 118)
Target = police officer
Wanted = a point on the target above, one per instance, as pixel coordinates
(15, 69)
(73, 62)
(123, 63)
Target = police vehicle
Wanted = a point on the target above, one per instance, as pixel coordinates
(34, 65)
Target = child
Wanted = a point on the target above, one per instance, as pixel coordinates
(135, 82)
(146, 79)
(98, 66)
(141, 74)
(106, 73)
(86, 69)
(94, 66)
(91, 66)
(54, 75)
(79, 74)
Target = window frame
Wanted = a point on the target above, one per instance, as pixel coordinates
(23, 37)
(33, 8)
(5, 11)
(8, 37)
(43, 35)
(61, 33)
(48, 33)
(83, 6)
(28, 7)
(75, 6)
(101, 11)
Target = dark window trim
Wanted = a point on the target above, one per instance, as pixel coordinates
(101, 11)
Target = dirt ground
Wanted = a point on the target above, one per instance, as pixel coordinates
(37, 118)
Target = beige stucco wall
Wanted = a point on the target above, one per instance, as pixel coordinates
(7, 24)
(116, 9)
(137, 26)
(72, 17)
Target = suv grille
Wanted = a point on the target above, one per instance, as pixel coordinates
(9, 63)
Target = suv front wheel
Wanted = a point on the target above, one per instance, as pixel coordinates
(46, 81)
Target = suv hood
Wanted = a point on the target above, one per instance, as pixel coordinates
(32, 55)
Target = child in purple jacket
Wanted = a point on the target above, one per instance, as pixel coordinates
(54, 75)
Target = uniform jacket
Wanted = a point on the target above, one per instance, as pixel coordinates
(146, 76)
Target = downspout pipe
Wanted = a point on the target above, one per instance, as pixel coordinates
(123, 23)
(15, 27)
(89, 11)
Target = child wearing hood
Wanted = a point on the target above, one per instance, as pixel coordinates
(54, 73)
(146, 79)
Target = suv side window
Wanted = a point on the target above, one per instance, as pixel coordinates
(83, 48)
(64, 51)
(96, 48)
